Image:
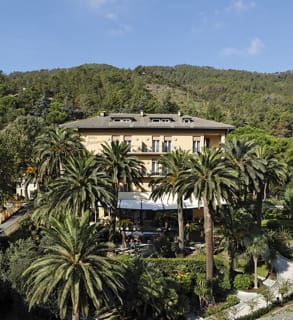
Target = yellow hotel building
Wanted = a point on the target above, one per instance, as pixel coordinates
(150, 136)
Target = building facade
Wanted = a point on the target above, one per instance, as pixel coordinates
(151, 135)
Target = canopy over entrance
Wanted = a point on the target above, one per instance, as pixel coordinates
(142, 201)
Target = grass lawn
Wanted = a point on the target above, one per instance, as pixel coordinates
(262, 270)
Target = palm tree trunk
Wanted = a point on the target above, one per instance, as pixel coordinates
(124, 245)
(114, 213)
(145, 308)
(258, 205)
(26, 196)
(187, 236)
(112, 224)
(208, 231)
(38, 184)
(265, 191)
(255, 272)
(231, 254)
(75, 313)
(180, 226)
(75, 300)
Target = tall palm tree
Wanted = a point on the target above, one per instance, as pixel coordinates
(81, 186)
(52, 148)
(122, 168)
(211, 179)
(242, 155)
(172, 163)
(275, 173)
(257, 246)
(74, 266)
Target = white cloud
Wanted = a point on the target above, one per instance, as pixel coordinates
(116, 11)
(241, 5)
(255, 47)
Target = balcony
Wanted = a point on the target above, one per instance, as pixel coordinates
(143, 149)
(154, 173)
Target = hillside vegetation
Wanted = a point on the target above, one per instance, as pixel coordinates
(240, 98)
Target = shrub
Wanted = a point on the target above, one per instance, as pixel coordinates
(221, 279)
(231, 301)
(170, 266)
(242, 282)
(273, 224)
(258, 313)
(151, 292)
(165, 248)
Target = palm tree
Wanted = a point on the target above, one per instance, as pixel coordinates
(52, 147)
(257, 246)
(149, 296)
(242, 155)
(275, 172)
(74, 266)
(172, 163)
(122, 168)
(237, 225)
(211, 179)
(81, 186)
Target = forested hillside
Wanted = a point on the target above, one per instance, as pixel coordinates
(236, 97)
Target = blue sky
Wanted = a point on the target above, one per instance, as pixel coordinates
(253, 35)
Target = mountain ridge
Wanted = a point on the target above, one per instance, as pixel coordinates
(261, 100)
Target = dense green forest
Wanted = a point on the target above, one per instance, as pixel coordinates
(236, 97)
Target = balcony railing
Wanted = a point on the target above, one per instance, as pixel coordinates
(143, 150)
(154, 173)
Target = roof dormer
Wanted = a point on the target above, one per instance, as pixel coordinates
(122, 119)
(161, 119)
(187, 119)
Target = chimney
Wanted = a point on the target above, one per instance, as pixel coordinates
(141, 113)
(102, 113)
(179, 113)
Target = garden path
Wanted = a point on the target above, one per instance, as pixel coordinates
(251, 301)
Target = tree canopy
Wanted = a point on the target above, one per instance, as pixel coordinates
(236, 97)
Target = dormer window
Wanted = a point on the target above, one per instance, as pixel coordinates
(186, 120)
(120, 119)
(161, 120)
